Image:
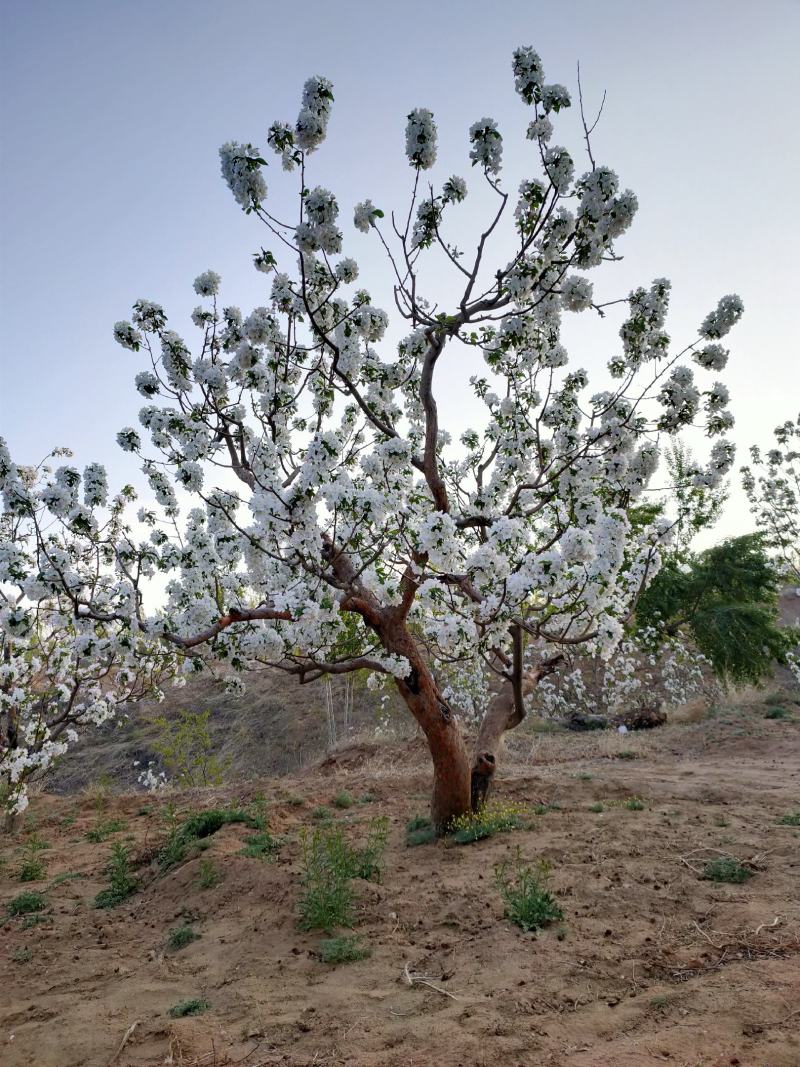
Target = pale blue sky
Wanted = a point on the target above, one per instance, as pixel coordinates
(113, 111)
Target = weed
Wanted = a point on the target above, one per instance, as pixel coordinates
(24, 903)
(346, 949)
(186, 837)
(726, 869)
(260, 846)
(321, 813)
(493, 818)
(123, 884)
(522, 886)
(627, 753)
(260, 813)
(660, 1001)
(104, 829)
(634, 804)
(367, 862)
(29, 921)
(367, 798)
(180, 937)
(195, 1006)
(22, 955)
(32, 867)
(543, 809)
(295, 802)
(720, 820)
(65, 876)
(583, 777)
(777, 712)
(419, 831)
(792, 819)
(343, 800)
(327, 898)
(208, 875)
(597, 808)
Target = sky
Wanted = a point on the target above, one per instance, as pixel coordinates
(112, 112)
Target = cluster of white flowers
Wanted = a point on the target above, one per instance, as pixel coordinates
(487, 145)
(772, 484)
(312, 122)
(241, 169)
(421, 138)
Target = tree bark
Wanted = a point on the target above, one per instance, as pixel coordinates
(451, 767)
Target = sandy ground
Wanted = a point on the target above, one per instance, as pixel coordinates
(652, 964)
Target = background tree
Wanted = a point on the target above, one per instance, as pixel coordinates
(772, 484)
(333, 524)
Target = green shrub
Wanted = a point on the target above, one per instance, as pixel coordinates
(367, 798)
(792, 819)
(208, 875)
(105, 828)
(726, 869)
(522, 886)
(347, 949)
(544, 809)
(24, 903)
(777, 712)
(367, 862)
(186, 837)
(260, 846)
(634, 804)
(22, 955)
(343, 800)
(321, 813)
(180, 937)
(493, 818)
(327, 898)
(123, 884)
(195, 1006)
(187, 749)
(595, 809)
(32, 867)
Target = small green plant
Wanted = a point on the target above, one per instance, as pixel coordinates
(522, 886)
(27, 902)
(104, 829)
(343, 800)
(367, 862)
(186, 838)
(660, 1001)
(726, 869)
(32, 866)
(495, 817)
(544, 809)
(791, 819)
(627, 753)
(208, 876)
(596, 808)
(295, 802)
(260, 846)
(65, 876)
(321, 813)
(419, 831)
(583, 777)
(777, 712)
(187, 750)
(181, 936)
(367, 798)
(327, 898)
(346, 949)
(260, 811)
(123, 884)
(634, 804)
(22, 955)
(195, 1006)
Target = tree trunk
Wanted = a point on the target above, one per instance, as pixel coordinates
(506, 710)
(451, 768)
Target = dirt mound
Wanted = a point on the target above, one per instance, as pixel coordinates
(652, 963)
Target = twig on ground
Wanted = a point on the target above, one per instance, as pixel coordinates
(126, 1038)
(767, 926)
(425, 979)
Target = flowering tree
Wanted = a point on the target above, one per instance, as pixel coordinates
(772, 485)
(335, 525)
(71, 654)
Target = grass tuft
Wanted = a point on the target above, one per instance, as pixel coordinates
(726, 869)
(346, 949)
(195, 1006)
(343, 800)
(123, 884)
(180, 937)
(522, 886)
(790, 819)
(25, 903)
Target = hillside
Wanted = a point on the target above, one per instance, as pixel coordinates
(651, 963)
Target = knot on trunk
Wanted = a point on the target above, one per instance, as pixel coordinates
(481, 781)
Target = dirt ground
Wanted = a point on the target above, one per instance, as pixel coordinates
(651, 965)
